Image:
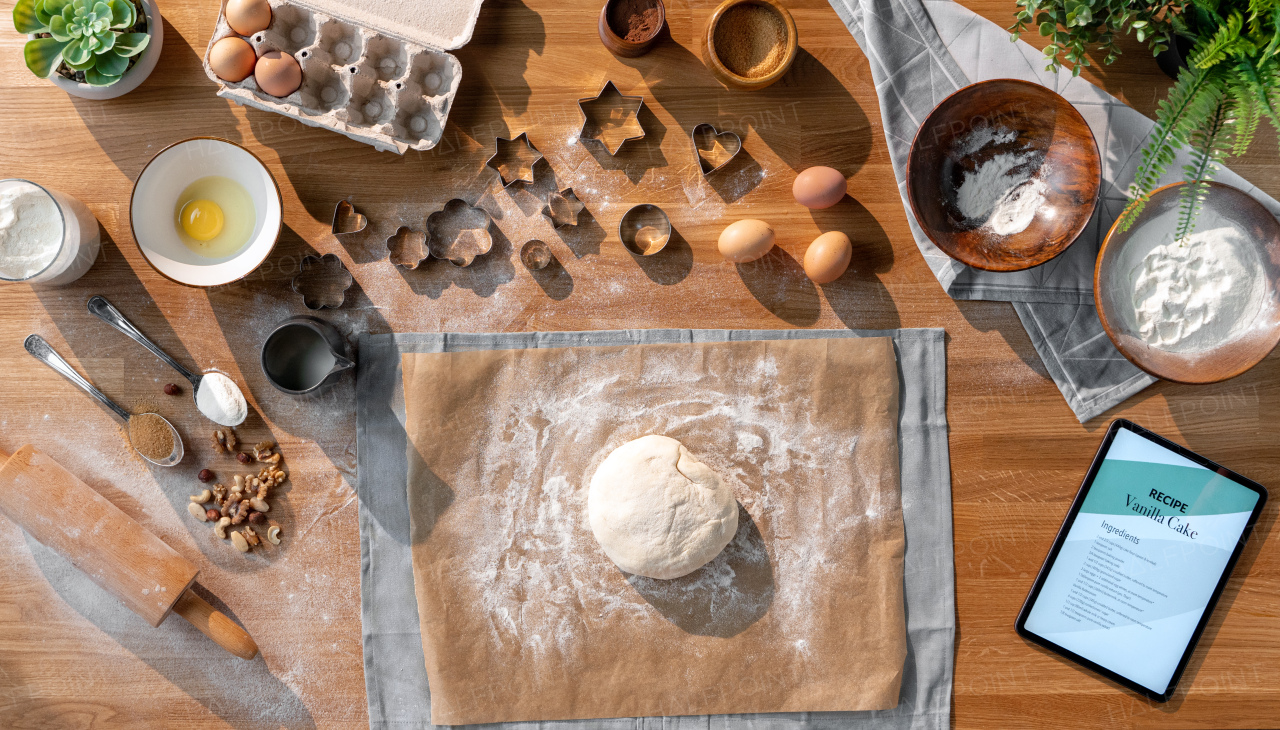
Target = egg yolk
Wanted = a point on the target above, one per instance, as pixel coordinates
(201, 219)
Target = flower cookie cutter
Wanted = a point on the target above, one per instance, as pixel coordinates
(459, 232)
(322, 281)
(408, 247)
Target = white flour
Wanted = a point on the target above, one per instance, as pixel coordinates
(220, 400)
(1194, 294)
(30, 230)
(1002, 194)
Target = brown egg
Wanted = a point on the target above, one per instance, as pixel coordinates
(232, 59)
(746, 240)
(819, 187)
(278, 74)
(247, 17)
(828, 257)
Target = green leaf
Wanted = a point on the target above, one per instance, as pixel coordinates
(94, 77)
(48, 8)
(1046, 29)
(58, 29)
(25, 19)
(106, 42)
(112, 63)
(91, 43)
(123, 14)
(75, 54)
(1207, 150)
(131, 44)
(42, 55)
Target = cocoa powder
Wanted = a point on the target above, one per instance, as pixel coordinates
(635, 21)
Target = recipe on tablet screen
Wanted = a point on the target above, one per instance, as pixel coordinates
(1141, 561)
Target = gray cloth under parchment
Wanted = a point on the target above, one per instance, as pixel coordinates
(395, 672)
(920, 52)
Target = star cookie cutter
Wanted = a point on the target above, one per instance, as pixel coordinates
(408, 247)
(322, 281)
(706, 139)
(346, 219)
(563, 208)
(609, 114)
(459, 232)
(510, 156)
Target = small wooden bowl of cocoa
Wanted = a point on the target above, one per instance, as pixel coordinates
(749, 44)
(629, 27)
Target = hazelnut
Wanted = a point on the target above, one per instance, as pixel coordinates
(257, 518)
(172, 389)
(212, 514)
(205, 475)
(243, 458)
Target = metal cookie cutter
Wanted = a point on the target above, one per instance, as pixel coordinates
(515, 159)
(610, 114)
(408, 247)
(346, 219)
(563, 208)
(459, 232)
(706, 138)
(322, 281)
(645, 229)
(536, 255)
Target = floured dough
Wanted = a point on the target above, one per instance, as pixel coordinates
(659, 512)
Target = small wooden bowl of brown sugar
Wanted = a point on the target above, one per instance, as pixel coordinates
(749, 44)
(629, 27)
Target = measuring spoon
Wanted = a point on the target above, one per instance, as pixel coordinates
(43, 352)
(102, 309)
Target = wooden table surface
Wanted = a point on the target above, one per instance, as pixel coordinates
(71, 657)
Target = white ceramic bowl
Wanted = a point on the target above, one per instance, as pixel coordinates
(155, 195)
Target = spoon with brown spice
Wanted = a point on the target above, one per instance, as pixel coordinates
(153, 437)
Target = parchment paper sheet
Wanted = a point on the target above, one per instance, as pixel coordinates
(524, 618)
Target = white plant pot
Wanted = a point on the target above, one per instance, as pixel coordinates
(132, 78)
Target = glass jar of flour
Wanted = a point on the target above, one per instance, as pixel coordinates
(46, 237)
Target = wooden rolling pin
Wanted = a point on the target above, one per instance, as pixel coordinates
(119, 554)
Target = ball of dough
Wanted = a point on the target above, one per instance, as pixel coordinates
(659, 512)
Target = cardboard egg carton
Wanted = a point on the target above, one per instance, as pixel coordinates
(377, 71)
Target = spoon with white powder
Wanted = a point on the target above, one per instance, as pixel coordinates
(217, 396)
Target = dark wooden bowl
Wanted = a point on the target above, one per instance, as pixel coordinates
(1112, 292)
(1044, 121)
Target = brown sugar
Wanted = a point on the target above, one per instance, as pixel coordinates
(750, 40)
(634, 20)
(151, 436)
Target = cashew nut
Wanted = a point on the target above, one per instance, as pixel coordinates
(273, 534)
(202, 497)
(220, 529)
(241, 544)
(259, 504)
(197, 512)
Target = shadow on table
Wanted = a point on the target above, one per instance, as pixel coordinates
(724, 597)
(858, 298)
(242, 694)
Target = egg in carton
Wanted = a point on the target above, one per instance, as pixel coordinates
(377, 71)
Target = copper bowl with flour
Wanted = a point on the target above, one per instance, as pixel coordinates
(1015, 150)
(1243, 325)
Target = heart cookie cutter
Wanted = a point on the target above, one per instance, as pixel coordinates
(346, 219)
(600, 114)
(459, 232)
(322, 281)
(705, 140)
(511, 153)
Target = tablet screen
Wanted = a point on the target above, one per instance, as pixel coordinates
(1142, 560)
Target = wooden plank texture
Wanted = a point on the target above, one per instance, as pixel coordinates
(70, 657)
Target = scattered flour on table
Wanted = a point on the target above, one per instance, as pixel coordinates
(1002, 194)
(1193, 294)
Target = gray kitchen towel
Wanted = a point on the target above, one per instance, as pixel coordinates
(394, 668)
(920, 52)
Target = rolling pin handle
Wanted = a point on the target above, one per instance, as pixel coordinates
(215, 624)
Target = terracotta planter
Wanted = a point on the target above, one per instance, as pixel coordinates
(132, 78)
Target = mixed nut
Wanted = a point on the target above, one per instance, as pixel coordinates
(245, 500)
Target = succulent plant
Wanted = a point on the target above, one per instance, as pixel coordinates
(87, 35)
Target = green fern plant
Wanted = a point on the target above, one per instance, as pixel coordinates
(90, 36)
(1215, 107)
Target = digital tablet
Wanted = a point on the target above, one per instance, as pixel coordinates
(1141, 559)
